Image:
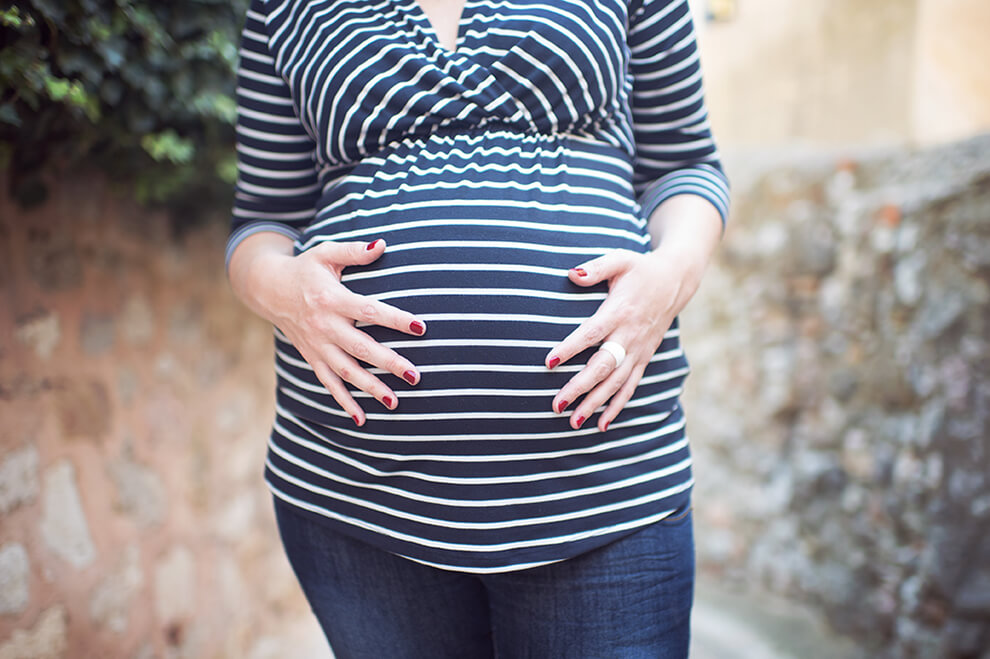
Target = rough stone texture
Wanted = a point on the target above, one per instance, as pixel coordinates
(236, 517)
(53, 259)
(137, 320)
(175, 585)
(41, 332)
(96, 334)
(14, 578)
(842, 375)
(131, 378)
(140, 492)
(63, 522)
(115, 595)
(18, 478)
(83, 408)
(46, 639)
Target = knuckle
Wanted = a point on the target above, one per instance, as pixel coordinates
(317, 323)
(602, 369)
(321, 298)
(394, 364)
(368, 312)
(360, 349)
(346, 372)
(594, 333)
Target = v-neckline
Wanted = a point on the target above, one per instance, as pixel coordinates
(461, 27)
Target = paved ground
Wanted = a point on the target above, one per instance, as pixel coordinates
(728, 625)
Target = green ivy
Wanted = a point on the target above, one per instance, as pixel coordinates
(142, 90)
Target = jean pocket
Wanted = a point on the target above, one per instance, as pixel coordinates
(679, 516)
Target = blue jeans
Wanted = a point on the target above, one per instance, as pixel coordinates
(631, 598)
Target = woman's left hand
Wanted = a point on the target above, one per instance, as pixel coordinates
(646, 292)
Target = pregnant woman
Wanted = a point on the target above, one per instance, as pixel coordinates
(473, 224)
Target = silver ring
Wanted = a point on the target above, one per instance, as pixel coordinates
(616, 350)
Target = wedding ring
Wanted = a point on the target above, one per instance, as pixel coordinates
(616, 350)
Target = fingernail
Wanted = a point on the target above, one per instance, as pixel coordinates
(580, 272)
(605, 427)
(389, 402)
(417, 327)
(578, 421)
(553, 362)
(563, 405)
(357, 421)
(373, 244)
(409, 376)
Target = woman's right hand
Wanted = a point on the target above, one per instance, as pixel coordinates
(304, 298)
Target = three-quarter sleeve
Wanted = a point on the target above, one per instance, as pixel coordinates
(277, 184)
(675, 150)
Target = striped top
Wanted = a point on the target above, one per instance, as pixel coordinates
(544, 138)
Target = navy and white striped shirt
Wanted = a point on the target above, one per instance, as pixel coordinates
(546, 137)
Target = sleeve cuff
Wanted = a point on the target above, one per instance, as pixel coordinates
(238, 236)
(702, 180)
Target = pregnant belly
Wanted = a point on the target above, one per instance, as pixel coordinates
(479, 245)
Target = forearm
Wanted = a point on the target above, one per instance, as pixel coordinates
(251, 266)
(686, 228)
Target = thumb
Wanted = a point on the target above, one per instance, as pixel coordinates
(600, 269)
(338, 255)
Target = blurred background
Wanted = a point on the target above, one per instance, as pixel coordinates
(839, 405)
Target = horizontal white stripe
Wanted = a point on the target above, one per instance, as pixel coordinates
(502, 436)
(476, 368)
(492, 244)
(479, 391)
(504, 546)
(589, 230)
(481, 526)
(654, 432)
(554, 497)
(422, 416)
(487, 292)
(454, 267)
(474, 481)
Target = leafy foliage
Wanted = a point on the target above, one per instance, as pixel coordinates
(141, 89)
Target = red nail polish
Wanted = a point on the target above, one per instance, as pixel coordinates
(417, 327)
(580, 272)
(553, 362)
(409, 376)
(357, 421)
(563, 406)
(578, 421)
(605, 427)
(389, 402)
(373, 244)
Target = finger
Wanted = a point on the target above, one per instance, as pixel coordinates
(338, 255)
(601, 268)
(368, 311)
(599, 367)
(361, 346)
(349, 370)
(621, 397)
(339, 392)
(589, 333)
(599, 394)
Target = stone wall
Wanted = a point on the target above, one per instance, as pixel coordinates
(839, 403)
(135, 396)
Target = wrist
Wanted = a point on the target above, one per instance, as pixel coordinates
(255, 270)
(688, 257)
